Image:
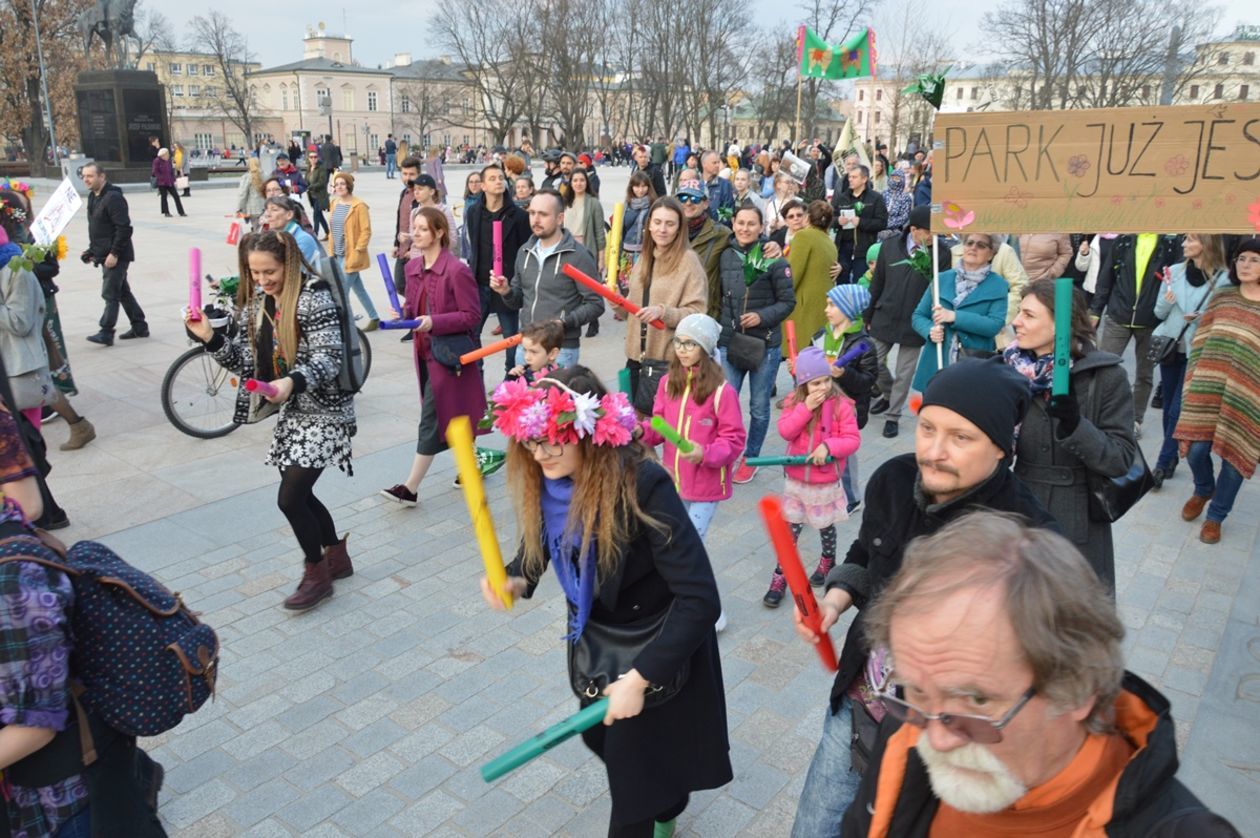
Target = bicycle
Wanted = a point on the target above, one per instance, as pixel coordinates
(198, 393)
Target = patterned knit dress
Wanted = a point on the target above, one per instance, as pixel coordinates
(1221, 401)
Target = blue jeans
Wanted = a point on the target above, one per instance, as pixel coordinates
(509, 320)
(849, 479)
(1222, 488)
(761, 383)
(831, 784)
(391, 165)
(1171, 375)
(80, 826)
(568, 357)
(701, 514)
(354, 282)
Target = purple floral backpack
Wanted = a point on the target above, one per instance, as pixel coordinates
(143, 659)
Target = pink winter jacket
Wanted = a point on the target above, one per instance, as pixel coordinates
(716, 425)
(837, 429)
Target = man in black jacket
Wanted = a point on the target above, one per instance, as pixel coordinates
(642, 163)
(961, 462)
(1007, 707)
(897, 285)
(1128, 287)
(490, 206)
(861, 215)
(109, 245)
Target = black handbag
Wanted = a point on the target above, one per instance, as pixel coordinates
(651, 370)
(605, 652)
(1111, 497)
(745, 352)
(1162, 348)
(446, 349)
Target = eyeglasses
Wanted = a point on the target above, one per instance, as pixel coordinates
(549, 450)
(685, 345)
(690, 199)
(980, 243)
(979, 729)
(792, 216)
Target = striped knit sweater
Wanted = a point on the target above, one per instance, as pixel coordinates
(1221, 400)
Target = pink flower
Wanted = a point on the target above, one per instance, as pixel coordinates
(1159, 202)
(1078, 165)
(1176, 165)
(609, 431)
(532, 422)
(1198, 203)
(1253, 214)
(1117, 200)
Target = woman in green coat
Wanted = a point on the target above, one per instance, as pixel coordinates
(317, 193)
(811, 255)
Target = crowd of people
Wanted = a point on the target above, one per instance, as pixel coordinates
(961, 706)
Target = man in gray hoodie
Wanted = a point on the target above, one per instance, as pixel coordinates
(540, 289)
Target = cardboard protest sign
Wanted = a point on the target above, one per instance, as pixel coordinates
(56, 214)
(1176, 169)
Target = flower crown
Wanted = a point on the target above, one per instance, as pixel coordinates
(19, 186)
(559, 415)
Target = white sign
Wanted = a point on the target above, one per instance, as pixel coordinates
(56, 214)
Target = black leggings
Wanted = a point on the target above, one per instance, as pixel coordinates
(827, 534)
(310, 519)
(644, 829)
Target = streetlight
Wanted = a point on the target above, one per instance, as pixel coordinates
(43, 81)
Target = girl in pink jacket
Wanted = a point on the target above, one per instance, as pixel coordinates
(818, 421)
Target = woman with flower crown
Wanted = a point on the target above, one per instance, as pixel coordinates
(642, 600)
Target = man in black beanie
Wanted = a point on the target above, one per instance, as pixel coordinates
(961, 462)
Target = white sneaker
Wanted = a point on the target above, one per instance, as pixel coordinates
(721, 621)
(1137, 430)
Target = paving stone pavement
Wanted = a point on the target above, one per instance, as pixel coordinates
(370, 715)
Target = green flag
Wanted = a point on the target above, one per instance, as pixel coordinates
(855, 58)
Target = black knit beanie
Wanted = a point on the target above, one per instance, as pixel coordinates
(988, 393)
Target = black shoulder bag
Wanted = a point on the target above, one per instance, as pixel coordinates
(1111, 497)
(651, 370)
(1162, 347)
(745, 352)
(605, 652)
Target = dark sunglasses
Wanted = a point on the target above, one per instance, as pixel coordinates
(690, 199)
(978, 243)
(979, 729)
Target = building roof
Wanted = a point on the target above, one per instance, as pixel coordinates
(321, 65)
(426, 69)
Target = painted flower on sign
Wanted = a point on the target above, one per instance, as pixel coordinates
(1176, 165)
(1253, 215)
(1078, 165)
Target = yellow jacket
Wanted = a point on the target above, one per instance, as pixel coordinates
(358, 232)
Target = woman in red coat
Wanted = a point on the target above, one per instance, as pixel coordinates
(442, 294)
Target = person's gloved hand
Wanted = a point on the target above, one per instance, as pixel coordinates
(1067, 410)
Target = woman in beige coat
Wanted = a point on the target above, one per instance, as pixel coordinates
(351, 230)
(669, 282)
(1044, 255)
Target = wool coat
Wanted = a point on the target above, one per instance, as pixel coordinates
(657, 757)
(679, 292)
(811, 255)
(1056, 470)
(358, 234)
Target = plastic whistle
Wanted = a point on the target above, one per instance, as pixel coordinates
(538, 745)
(607, 293)
(399, 324)
(263, 388)
(667, 430)
(498, 346)
(497, 232)
(794, 572)
(388, 276)
(802, 460)
(194, 283)
(1061, 377)
(856, 351)
(460, 437)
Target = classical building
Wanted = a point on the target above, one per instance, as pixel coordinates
(1221, 71)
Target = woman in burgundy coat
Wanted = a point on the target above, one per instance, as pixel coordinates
(442, 294)
(163, 175)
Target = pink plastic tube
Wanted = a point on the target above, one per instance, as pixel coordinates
(263, 388)
(194, 283)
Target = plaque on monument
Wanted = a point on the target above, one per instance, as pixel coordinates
(98, 125)
(142, 109)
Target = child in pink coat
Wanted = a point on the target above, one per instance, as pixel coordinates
(694, 399)
(818, 421)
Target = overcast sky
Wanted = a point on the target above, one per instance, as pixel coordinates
(275, 30)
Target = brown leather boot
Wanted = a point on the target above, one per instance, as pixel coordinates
(81, 433)
(1194, 507)
(1210, 533)
(338, 560)
(315, 587)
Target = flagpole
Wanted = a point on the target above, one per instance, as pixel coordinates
(800, 83)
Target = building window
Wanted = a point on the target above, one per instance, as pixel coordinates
(207, 69)
(1249, 58)
(372, 102)
(960, 93)
(192, 69)
(284, 99)
(975, 93)
(177, 69)
(209, 92)
(194, 90)
(861, 95)
(203, 141)
(876, 117)
(347, 99)
(406, 139)
(1218, 92)
(879, 95)
(1243, 91)
(322, 98)
(406, 104)
(151, 66)
(1194, 91)
(1222, 59)
(1146, 91)
(374, 141)
(177, 90)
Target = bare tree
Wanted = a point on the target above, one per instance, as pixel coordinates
(153, 32)
(774, 98)
(214, 34)
(486, 38)
(911, 42)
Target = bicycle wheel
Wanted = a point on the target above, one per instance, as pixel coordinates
(366, 346)
(199, 396)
